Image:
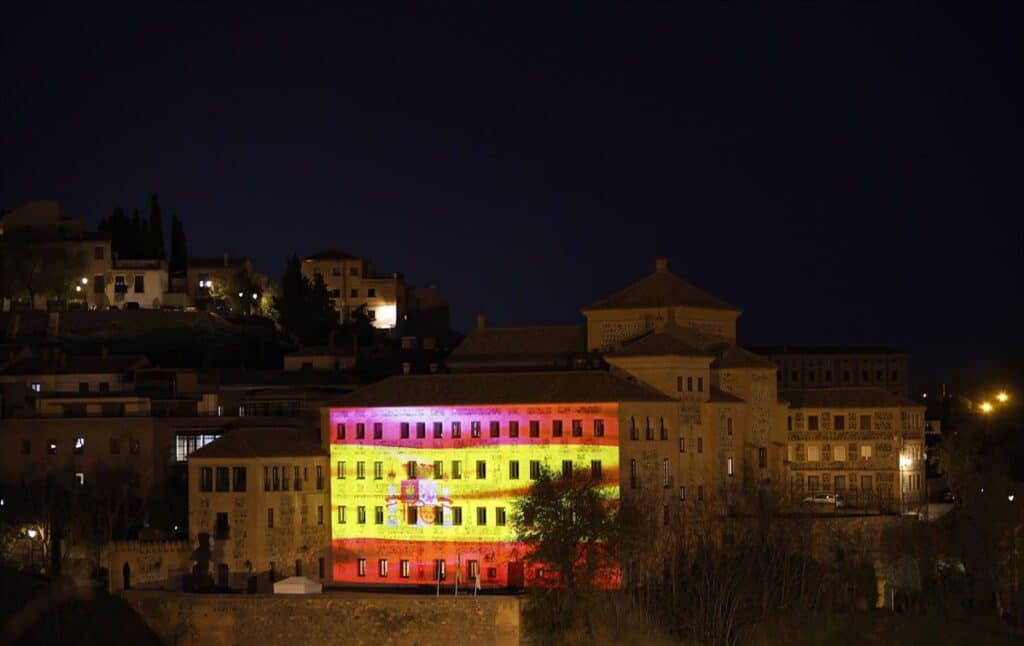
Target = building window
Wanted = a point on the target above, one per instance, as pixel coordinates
(270, 518)
(378, 470)
(679, 384)
(513, 470)
(223, 479)
(354, 293)
(865, 422)
(456, 430)
(700, 445)
(634, 480)
(729, 467)
(534, 428)
(439, 570)
(598, 428)
(534, 469)
(595, 470)
(481, 515)
(79, 445)
(813, 453)
(404, 430)
(700, 493)
(789, 423)
(382, 568)
(810, 377)
(762, 457)
(648, 431)
(689, 384)
(513, 429)
(665, 515)
(495, 429)
(846, 376)
(839, 453)
(361, 567)
(140, 285)
(456, 469)
(403, 568)
(438, 430)
(378, 515)
(682, 445)
(353, 271)
(421, 430)
(456, 515)
(341, 470)
(410, 469)
(634, 434)
(319, 514)
(238, 478)
(360, 431)
(556, 428)
(371, 292)
(728, 426)
(206, 479)
(361, 514)
(577, 428)
(481, 469)
(812, 422)
(700, 384)
(319, 479)
(666, 478)
(474, 430)
(361, 471)
(438, 469)
(839, 423)
(341, 514)
(321, 567)
(682, 494)
(865, 451)
(340, 432)
(662, 429)
(499, 516)
(813, 483)
(378, 431)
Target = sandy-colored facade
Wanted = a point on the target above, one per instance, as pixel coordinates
(353, 283)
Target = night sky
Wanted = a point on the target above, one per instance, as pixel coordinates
(844, 175)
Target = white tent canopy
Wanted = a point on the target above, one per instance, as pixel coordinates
(298, 585)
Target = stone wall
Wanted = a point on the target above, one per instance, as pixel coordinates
(151, 564)
(331, 618)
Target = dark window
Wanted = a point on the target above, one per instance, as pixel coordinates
(403, 568)
(566, 468)
(812, 422)
(371, 292)
(828, 375)
(354, 293)
(728, 426)
(700, 384)
(577, 428)
(361, 514)
(700, 492)
(534, 428)
(361, 567)
(634, 478)
(513, 429)
(83, 387)
(456, 515)
(360, 431)
(221, 529)
(481, 469)
(679, 384)
(421, 430)
(104, 387)
(378, 430)
(789, 423)
(682, 445)
(846, 376)
(378, 470)
(404, 430)
(556, 428)
(438, 469)
(140, 284)
(499, 516)
(321, 570)
(340, 433)
(456, 469)
(689, 384)
(481, 515)
(97, 253)
(206, 479)
(410, 469)
(865, 422)
(839, 423)
(598, 428)
(700, 445)
(762, 457)
(648, 429)
(223, 479)
(238, 478)
(456, 430)
(534, 469)
(513, 470)
(663, 430)
(595, 469)
(378, 515)
(795, 376)
(98, 284)
(495, 429)
(438, 430)
(634, 434)
(474, 429)
(319, 479)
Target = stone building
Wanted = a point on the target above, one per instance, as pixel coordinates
(839, 367)
(261, 495)
(865, 444)
(206, 278)
(352, 282)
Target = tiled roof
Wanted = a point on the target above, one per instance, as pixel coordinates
(332, 254)
(661, 289)
(550, 340)
(824, 349)
(263, 442)
(720, 396)
(736, 357)
(844, 398)
(501, 388)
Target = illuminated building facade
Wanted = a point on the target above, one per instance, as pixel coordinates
(426, 470)
(352, 283)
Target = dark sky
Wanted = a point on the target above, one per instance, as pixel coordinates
(845, 175)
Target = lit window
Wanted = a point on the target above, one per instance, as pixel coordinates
(382, 568)
(37, 387)
(361, 567)
(813, 453)
(728, 467)
(865, 451)
(403, 568)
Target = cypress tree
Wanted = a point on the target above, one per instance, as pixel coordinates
(156, 229)
(179, 249)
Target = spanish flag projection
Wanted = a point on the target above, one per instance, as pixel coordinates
(422, 494)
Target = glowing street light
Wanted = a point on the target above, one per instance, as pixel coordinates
(32, 533)
(986, 407)
(905, 461)
(85, 281)
(1002, 397)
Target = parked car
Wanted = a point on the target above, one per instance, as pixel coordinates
(834, 499)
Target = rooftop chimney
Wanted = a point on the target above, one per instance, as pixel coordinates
(661, 265)
(481, 321)
(225, 259)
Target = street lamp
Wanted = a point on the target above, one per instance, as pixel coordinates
(85, 281)
(986, 407)
(1002, 397)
